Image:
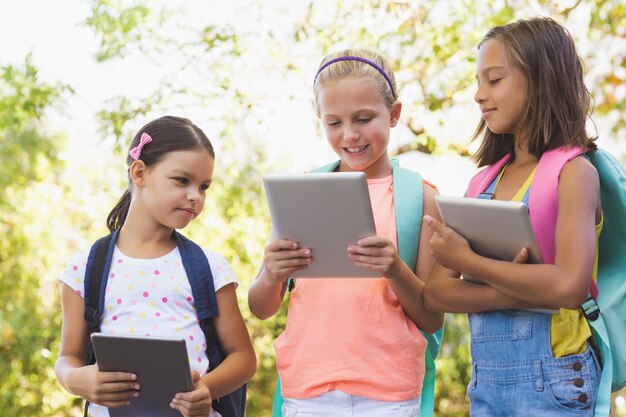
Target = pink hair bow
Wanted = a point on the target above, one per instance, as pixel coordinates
(136, 151)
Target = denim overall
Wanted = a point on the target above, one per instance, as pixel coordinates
(514, 372)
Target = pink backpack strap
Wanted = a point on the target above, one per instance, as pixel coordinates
(543, 199)
(481, 181)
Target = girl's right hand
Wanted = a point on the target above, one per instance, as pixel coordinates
(284, 257)
(449, 248)
(108, 389)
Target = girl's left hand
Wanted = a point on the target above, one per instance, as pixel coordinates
(377, 254)
(447, 246)
(196, 402)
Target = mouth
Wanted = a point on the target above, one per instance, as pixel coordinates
(191, 212)
(356, 149)
(487, 110)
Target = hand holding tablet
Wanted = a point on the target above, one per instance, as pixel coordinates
(495, 229)
(161, 365)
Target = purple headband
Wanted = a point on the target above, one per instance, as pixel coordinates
(357, 58)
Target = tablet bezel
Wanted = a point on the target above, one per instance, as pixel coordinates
(325, 212)
(160, 363)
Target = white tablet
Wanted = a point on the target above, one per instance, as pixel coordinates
(495, 229)
(325, 212)
(161, 365)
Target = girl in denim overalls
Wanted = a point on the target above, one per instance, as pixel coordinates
(525, 363)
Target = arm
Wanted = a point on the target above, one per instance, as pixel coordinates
(445, 292)
(380, 255)
(109, 389)
(238, 366)
(565, 283)
(280, 259)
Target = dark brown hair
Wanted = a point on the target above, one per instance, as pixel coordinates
(557, 100)
(169, 134)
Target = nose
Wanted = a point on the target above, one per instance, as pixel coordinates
(350, 133)
(479, 96)
(193, 194)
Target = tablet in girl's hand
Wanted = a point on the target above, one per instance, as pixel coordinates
(495, 229)
(325, 212)
(161, 365)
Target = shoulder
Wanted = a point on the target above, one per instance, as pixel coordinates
(215, 258)
(578, 182)
(429, 188)
(579, 172)
(429, 191)
(221, 270)
(74, 273)
(430, 207)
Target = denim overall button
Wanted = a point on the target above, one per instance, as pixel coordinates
(582, 398)
(579, 382)
(577, 366)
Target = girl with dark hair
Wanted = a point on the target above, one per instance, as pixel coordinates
(534, 107)
(170, 168)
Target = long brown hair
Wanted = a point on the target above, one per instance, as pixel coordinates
(557, 100)
(169, 134)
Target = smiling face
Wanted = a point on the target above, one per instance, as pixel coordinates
(357, 122)
(173, 191)
(501, 92)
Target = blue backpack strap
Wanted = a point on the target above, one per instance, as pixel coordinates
(96, 276)
(408, 205)
(94, 285)
(200, 279)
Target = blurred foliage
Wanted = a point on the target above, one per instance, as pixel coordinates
(120, 27)
(229, 67)
(28, 324)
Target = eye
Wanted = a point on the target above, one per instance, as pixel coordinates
(332, 123)
(364, 119)
(494, 81)
(204, 187)
(181, 180)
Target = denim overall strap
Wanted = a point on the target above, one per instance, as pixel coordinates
(489, 329)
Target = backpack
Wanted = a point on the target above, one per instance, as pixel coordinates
(606, 304)
(408, 204)
(201, 280)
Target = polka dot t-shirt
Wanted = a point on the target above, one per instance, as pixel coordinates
(151, 297)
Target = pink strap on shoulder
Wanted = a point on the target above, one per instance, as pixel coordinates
(481, 181)
(543, 199)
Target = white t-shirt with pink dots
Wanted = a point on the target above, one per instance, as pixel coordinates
(151, 297)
